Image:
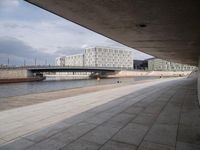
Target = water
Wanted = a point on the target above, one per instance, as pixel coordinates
(16, 89)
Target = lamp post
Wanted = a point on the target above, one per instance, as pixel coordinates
(24, 62)
(35, 61)
(8, 61)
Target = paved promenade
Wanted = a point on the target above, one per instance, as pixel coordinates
(158, 115)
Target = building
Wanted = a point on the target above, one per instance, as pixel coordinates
(108, 57)
(74, 60)
(140, 64)
(60, 61)
(99, 57)
(163, 65)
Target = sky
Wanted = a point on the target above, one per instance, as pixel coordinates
(28, 33)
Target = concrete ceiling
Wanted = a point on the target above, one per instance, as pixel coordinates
(168, 29)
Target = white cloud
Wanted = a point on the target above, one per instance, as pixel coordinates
(47, 33)
(57, 36)
(9, 4)
(84, 46)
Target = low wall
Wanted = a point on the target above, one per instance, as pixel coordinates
(14, 73)
(149, 73)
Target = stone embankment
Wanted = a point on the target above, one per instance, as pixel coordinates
(150, 73)
(14, 73)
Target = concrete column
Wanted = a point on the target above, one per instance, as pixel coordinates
(15, 73)
(198, 86)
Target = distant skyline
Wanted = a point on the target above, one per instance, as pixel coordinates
(28, 32)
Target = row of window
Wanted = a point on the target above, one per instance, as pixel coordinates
(107, 50)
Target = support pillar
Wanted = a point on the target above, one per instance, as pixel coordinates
(198, 86)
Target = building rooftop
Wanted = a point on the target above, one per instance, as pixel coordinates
(107, 47)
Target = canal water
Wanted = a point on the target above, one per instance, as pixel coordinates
(16, 89)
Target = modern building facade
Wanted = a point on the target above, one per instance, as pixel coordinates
(74, 60)
(99, 57)
(156, 64)
(108, 57)
(140, 64)
(60, 61)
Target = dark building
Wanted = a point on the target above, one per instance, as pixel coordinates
(140, 64)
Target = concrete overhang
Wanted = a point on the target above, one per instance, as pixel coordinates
(168, 29)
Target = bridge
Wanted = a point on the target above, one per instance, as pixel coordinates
(29, 71)
(95, 71)
(40, 69)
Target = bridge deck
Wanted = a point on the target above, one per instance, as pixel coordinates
(73, 68)
(159, 115)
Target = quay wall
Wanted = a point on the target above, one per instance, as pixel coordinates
(149, 73)
(14, 73)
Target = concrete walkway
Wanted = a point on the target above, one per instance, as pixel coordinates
(159, 115)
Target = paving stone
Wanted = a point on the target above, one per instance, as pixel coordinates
(162, 134)
(78, 118)
(73, 132)
(176, 103)
(192, 104)
(134, 110)
(123, 118)
(18, 144)
(100, 134)
(47, 132)
(115, 110)
(133, 134)
(101, 108)
(2, 142)
(65, 137)
(163, 99)
(141, 104)
(145, 119)
(171, 110)
(82, 145)
(145, 145)
(189, 134)
(185, 108)
(153, 109)
(48, 144)
(168, 119)
(186, 146)
(114, 145)
(113, 124)
(100, 118)
(191, 118)
(158, 103)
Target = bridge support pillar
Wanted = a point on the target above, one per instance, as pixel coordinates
(15, 73)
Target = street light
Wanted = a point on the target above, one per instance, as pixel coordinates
(8, 61)
(35, 61)
(24, 62)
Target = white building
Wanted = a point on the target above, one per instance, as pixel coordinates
(71, 60)
(74, 60)
(99, 57)
(163, 65)
(108, 57)
(60, 61)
